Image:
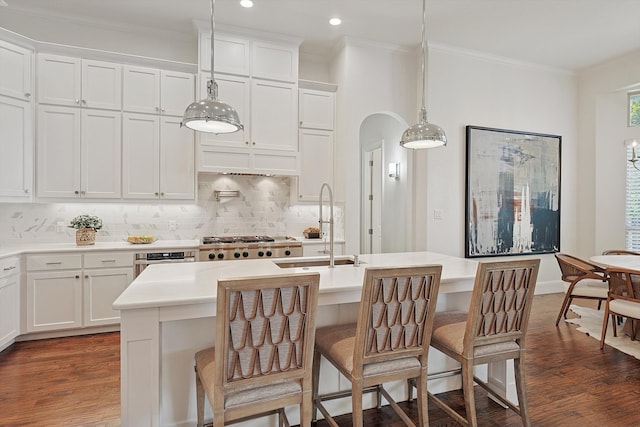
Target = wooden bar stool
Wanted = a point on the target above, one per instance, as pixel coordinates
(265, 328)
(389, 342)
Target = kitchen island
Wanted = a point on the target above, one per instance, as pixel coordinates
(168, 313)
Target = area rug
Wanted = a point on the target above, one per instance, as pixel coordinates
(590, 323)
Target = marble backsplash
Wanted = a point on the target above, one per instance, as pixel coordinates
(263, 207)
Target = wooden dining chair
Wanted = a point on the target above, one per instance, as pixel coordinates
(389, 342)
(264, 333)
(492, 330)
(623, 300)
(586, 281)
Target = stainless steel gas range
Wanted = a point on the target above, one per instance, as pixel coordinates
(227, 248)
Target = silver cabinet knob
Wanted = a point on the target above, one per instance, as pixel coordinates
(162, 194)
(82, 192)
(77, 101)
(157, 108)
(162, 109)
(246, 142)
(27, 95)
(76, 192)
(156, 193)
(26, 191)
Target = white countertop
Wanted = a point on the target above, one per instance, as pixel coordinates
(163, 285)
(27, 248)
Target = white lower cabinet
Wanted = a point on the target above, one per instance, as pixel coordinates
(9, 301)
(66, 292)
(101, 288)
(54, 300)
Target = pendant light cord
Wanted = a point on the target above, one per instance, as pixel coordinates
(424, 57)
(212, 86)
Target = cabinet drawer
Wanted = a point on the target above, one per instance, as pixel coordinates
(54, 262)
(108, 259)
(9, 266)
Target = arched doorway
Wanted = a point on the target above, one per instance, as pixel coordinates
(386, 205)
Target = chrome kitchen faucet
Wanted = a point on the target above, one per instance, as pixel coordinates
(329, 221)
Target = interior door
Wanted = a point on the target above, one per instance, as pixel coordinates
(372, 212)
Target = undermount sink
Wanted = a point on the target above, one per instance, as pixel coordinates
(314, 263)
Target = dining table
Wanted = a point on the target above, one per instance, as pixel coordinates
(630, 262)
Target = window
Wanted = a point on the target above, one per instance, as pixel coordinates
(632, 220)
(634, 108)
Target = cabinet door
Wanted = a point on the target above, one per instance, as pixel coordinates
(101, 153)
(140, 156)
(274, 112)
(101, 288)
(101, 85)
(59, 80)
(316, 163)
(234, 91)
(16, 161)
(9, 314)
(58, 151)
(15, 71)
(141, 89)
(54, 300)
(232, 54)
(275, 61)
(177, 160)
(177, 92)
(316, 109)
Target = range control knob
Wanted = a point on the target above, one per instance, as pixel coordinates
(260, 253)
(236, 254)
(287, 252)
(212, 256)
(269, 253)
(245, 254)
(220, 255)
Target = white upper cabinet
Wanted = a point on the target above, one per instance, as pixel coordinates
(232, 54)
(274, 109)
(15, 71)
(16, 140)
(149, 90)
(274, 61)
(316, 139)
(79, 82)
(316, 109)
(158, 158)
(78, 152)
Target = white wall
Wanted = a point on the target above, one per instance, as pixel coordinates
(148, 43)
(601, 158)
(371, 78)
(466, 89)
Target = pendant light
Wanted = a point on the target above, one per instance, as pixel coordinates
(211, 115)
(424, 134)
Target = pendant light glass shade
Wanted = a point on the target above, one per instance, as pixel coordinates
(424, 134)
(211, 115)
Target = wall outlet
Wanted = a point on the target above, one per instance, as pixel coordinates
(60, 227)
(172, 225)
(437, 214)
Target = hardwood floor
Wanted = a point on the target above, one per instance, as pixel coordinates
(75, 382)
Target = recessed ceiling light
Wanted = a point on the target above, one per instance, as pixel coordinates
(335, 21)
(246, 3)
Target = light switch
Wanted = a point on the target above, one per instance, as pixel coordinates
(437, 214)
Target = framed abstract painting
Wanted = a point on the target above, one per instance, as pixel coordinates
(512, 197)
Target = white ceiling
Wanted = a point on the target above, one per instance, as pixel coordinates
(567, 34)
